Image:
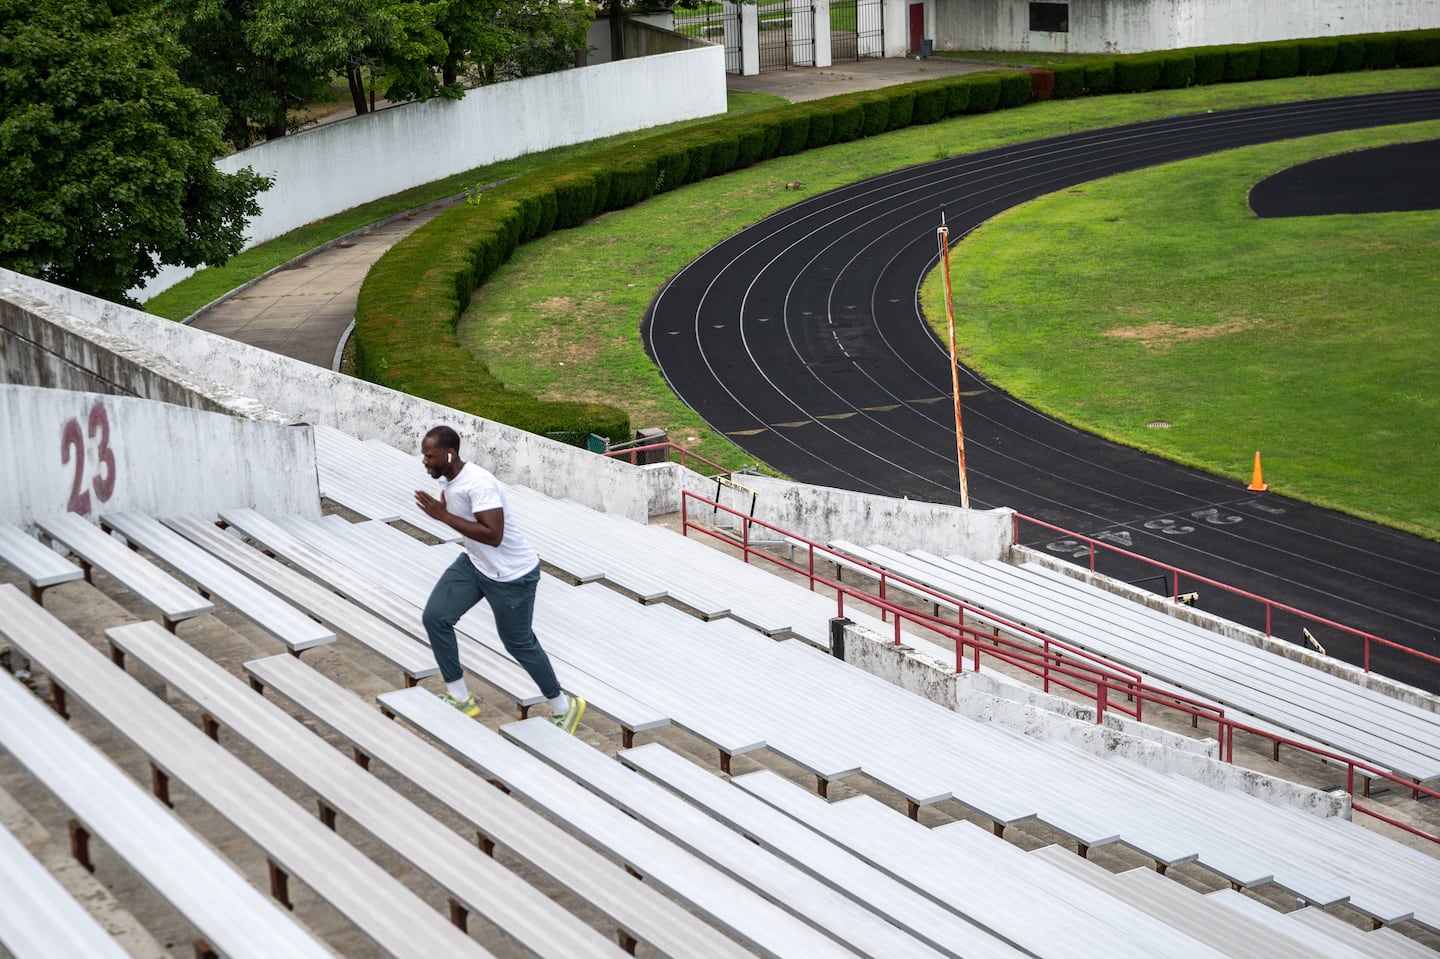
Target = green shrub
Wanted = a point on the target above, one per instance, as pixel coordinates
(957, 97)
(575, 199)
(752, 146)
(875, 114)
(1279, 60)
(1014, 89)
(1177, 70)
(849, 121)
(1242, 63)
(1042, 84)
(1380, 51)
(1100, 77)
(1209, 65)
(1349, 54)
(929, 104)
(725, 154)
(902, 108)
(673, 169)
(794, 132)
(984, 93)
(1420, 48)
(1137, 74)
(822, 127)
(1069, 81)
(1317, 57)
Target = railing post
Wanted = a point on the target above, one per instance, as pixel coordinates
(1102, 697)
(1367, 653)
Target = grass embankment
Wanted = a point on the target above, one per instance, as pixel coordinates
(209, 284)
(1159, 297)
(561, 318)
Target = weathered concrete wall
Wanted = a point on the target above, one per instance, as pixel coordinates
(334, 167)
(58, 337)
(1132, 26)
(91, 453)
(986, 698)
(1301, 654)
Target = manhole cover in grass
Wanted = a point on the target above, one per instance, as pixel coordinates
(1158, 425)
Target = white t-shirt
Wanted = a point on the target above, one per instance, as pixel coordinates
(475, 490)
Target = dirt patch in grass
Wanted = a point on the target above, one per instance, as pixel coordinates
(1158, 335)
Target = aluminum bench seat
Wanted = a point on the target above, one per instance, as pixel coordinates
(356, 475)
(982, 886)
(641, 912)
(247, 597)
(41, 566)
(842, 917)
(174, 600)
(400, 649)
(718, 897)
(474, 881)
(1381, 943)
(295, 842)
(1315, 940)
(847, 873)
(37, 915)
(39, 919)
(1202, 916)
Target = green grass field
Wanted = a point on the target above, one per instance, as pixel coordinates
(1158, 297)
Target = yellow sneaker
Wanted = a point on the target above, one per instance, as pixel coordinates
(466, 705)
(569, 719)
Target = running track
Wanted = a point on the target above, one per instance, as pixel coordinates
(802, 340)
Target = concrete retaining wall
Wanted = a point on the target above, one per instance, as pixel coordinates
(1133, 26)
(1301, 654)
(988, 698)
(90, 453)
(324, 170)
(58, 337)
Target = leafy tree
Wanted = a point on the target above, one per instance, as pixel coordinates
(106, 156)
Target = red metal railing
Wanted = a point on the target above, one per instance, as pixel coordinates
(1055, 662)
(1270, 605)
(685, 455)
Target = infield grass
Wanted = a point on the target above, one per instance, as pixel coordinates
(562, 318)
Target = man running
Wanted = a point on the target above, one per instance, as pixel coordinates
(498, 565)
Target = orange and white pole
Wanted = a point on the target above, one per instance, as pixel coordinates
(943, 234)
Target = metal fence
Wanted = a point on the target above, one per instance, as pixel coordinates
(856, 29)
(716, 23)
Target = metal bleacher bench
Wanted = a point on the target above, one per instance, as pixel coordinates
(474, 882)
(174, 600)
(816, 902)
(641, 912)
(41, 566)
(718, 897)
(256, 603)
(294, 842)
(400, 649)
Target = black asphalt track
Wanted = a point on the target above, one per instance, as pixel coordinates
(801, 339)
(1405, 176)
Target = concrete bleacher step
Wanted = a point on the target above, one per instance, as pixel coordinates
(828, 862)
(477, 882)
(845, 919)
(640, 911)
(724, 901)
(295, 843)
(980, 888)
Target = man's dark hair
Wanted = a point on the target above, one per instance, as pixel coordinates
(445, 438)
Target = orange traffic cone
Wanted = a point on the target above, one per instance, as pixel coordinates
(1257, 481)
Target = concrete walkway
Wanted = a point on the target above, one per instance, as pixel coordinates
(304, 308)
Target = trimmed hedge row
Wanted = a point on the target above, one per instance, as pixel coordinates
(411, 299)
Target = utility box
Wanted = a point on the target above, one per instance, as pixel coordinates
(651, 437)
(927, 47)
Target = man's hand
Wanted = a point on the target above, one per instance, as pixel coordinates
(430, 506)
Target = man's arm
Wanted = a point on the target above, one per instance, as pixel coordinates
(487, 527)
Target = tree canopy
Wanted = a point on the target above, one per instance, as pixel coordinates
(106, 156)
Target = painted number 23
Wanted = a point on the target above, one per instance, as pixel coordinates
(72, 448)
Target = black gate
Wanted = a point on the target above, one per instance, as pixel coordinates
(857, 29)
(776, 26)
(717, 23)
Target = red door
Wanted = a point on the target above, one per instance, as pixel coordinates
(917, 26)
